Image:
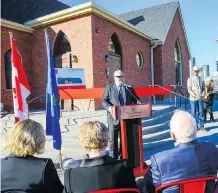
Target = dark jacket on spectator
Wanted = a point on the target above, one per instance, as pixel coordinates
(98, 174)
(29, 174)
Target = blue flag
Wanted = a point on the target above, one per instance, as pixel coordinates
(52, 100)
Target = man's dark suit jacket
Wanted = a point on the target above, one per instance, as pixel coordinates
(98, 174)
(185, 161)
(29, 174)
(111, 98)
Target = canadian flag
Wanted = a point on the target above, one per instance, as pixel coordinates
(20, 85)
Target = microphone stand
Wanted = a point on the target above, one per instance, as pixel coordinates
(137, 99)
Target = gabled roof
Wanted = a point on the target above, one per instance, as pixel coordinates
(21, 11)
(84, 9)
(153, 21)
(17, 26)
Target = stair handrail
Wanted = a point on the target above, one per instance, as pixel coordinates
(30, 101)
(40, 95)
(179, 87)
(156, 85)
(176, 95)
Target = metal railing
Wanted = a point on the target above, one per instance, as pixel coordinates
(182, 89)
(181, 96)
(28, 102)
(32, 100)
(176, 95)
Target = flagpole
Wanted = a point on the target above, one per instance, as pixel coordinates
(28, 115)
(20, 93)
(60, 108)
(52, 103)
(11, 37)
(61, 160)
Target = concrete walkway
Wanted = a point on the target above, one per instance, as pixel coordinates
(70, 122)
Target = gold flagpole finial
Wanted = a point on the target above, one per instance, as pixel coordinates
(10, 33)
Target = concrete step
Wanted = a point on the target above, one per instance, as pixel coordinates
(158, 111)
(164, 134)
(156, 120)
(157, 146)
(155, 129)
(162, 111)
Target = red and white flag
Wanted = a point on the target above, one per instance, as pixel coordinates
(20, 85)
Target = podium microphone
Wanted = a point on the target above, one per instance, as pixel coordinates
(127, 88)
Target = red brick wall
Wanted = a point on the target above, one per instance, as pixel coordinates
(90, 48)
(158, 68)
(23, 42)
(130, 45)
(175, 32)
(78, 32)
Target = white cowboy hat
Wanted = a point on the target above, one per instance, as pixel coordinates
(195, 68)
(118, 73)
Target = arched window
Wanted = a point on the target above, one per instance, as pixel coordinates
(139, 59)
(114, 45)
(63, 58)
(62, 51)
(178, 63)
(8, 69)
(114, 57)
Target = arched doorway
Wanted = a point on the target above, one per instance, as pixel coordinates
(63, 59)
(62, 51)
(115, 56)
(178, 63)
(8, 70)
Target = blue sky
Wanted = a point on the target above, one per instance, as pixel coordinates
(200, 18)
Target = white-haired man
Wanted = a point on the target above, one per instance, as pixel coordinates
(189, 159)
(196, 88)
(120, 94)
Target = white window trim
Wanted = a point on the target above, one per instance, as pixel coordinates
(142, 59)
(175, 61)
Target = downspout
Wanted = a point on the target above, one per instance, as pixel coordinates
(152, 67)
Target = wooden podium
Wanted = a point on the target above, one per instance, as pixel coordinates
(126, 114)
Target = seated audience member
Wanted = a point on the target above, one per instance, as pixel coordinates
(189, 159)
(98, 171)
(21, 171)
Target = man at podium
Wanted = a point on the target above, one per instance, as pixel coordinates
(119, 94)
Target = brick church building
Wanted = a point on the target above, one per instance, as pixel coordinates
(91, 37)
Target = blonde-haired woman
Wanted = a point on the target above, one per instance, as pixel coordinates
(208, 99)
(98, 171)
(21, 171)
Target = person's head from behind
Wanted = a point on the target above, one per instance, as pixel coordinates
(209, 81)
(93, 135)
(118, 77)
(25, 138)
(183, 127)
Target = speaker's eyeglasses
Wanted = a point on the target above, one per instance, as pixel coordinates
(119, 76)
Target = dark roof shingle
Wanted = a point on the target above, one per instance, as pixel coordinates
(21, 11)
(153, 21)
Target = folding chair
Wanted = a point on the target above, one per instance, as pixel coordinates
(196, 185)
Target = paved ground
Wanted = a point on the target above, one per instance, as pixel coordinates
(71, 121)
